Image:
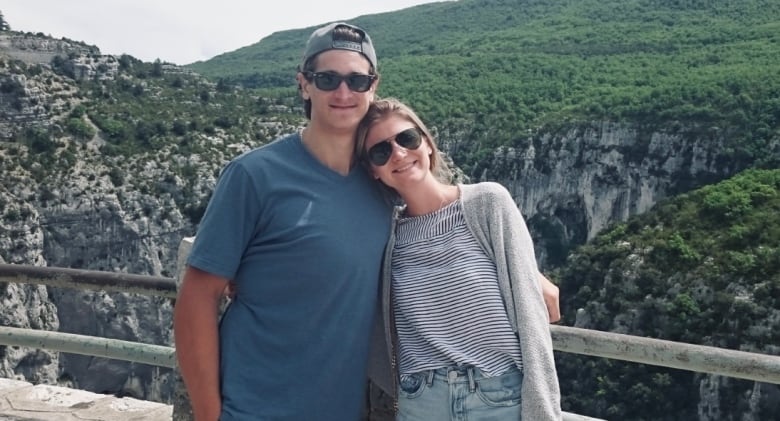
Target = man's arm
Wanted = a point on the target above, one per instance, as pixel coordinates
(195, 318)
(551, 298)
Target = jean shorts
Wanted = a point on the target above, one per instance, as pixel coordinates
(459, 393)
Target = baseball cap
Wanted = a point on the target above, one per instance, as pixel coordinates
(322, 40)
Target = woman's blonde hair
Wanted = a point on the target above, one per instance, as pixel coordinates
(382, 109)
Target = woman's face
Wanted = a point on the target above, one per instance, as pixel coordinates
(405, 149)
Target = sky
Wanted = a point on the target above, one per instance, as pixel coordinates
(180, 31)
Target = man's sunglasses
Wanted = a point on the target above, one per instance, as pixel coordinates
(380, 153)
(330, 81)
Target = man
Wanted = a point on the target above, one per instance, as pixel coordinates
(286, 224)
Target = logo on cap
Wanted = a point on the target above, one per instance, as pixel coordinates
(348, 45)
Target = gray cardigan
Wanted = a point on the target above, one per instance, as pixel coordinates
(493, 218)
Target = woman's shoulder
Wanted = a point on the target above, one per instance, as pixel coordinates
(484, 191)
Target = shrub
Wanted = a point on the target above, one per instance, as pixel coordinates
(79, 128)
(117, 176)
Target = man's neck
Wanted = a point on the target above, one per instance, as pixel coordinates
(332, 149)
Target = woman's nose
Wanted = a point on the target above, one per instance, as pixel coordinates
(398, 150)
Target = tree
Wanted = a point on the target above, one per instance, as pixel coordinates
(157, 68)
(4, 26)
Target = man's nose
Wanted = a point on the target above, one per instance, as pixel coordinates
(343, 88)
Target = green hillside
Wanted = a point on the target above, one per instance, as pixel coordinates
(703, 268)
(504, 68)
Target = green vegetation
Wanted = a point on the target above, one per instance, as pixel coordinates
(152, 109)
(4, 26)
(502, 69)
(499, 72)
(702, 268)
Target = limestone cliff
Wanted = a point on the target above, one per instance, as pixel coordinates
(573, 183)
(65, 202)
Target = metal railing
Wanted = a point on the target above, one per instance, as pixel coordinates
(89, 279)
(699, 358)
(159, 355)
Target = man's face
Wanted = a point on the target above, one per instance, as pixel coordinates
(341, 108)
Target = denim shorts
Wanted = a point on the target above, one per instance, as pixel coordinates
(458, 394)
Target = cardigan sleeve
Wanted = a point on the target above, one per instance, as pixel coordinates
(500, 228)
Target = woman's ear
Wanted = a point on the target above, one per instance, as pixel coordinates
(429, 145)
(374, 172)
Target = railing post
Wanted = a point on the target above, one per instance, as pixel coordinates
(182, 408)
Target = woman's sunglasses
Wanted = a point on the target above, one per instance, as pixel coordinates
(330, 81)
(380, 153)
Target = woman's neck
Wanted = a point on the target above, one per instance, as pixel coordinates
(429, 198)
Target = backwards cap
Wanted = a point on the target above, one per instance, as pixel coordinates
(322, 40)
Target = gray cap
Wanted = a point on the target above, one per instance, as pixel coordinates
(322, 40)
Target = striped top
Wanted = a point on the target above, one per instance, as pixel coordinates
(446, 299)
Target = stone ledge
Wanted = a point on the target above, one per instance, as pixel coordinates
(23, 401)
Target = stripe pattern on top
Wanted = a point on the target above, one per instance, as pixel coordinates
(447, 303)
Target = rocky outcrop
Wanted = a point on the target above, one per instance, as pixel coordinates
(21, 105)
(27, 101)
(88, 67)
(69, 205)
(25, 306)
(572, 184)
(104, 233)
(40, 49)
(127, 214)
(30, 101)
(91, 231)
(92, 215)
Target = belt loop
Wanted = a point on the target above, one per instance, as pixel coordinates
(472, 384)
(429, 380)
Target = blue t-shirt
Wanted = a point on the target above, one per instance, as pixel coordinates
(304, 245)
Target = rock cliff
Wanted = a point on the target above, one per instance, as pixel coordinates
(573, 183)
(66, 203)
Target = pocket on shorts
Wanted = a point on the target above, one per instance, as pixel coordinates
(412, 385)
(503, 390)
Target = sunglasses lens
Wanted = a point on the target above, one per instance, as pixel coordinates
(359, 83)
(327, 81)
(409, 139)
(380, 153)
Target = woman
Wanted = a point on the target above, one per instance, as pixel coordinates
(466, 322)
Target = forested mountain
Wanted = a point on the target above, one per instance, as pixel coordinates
(506, 68)
(702, 268)
(640, 139)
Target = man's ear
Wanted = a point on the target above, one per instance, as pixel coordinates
(303, 86)
(374, 88)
